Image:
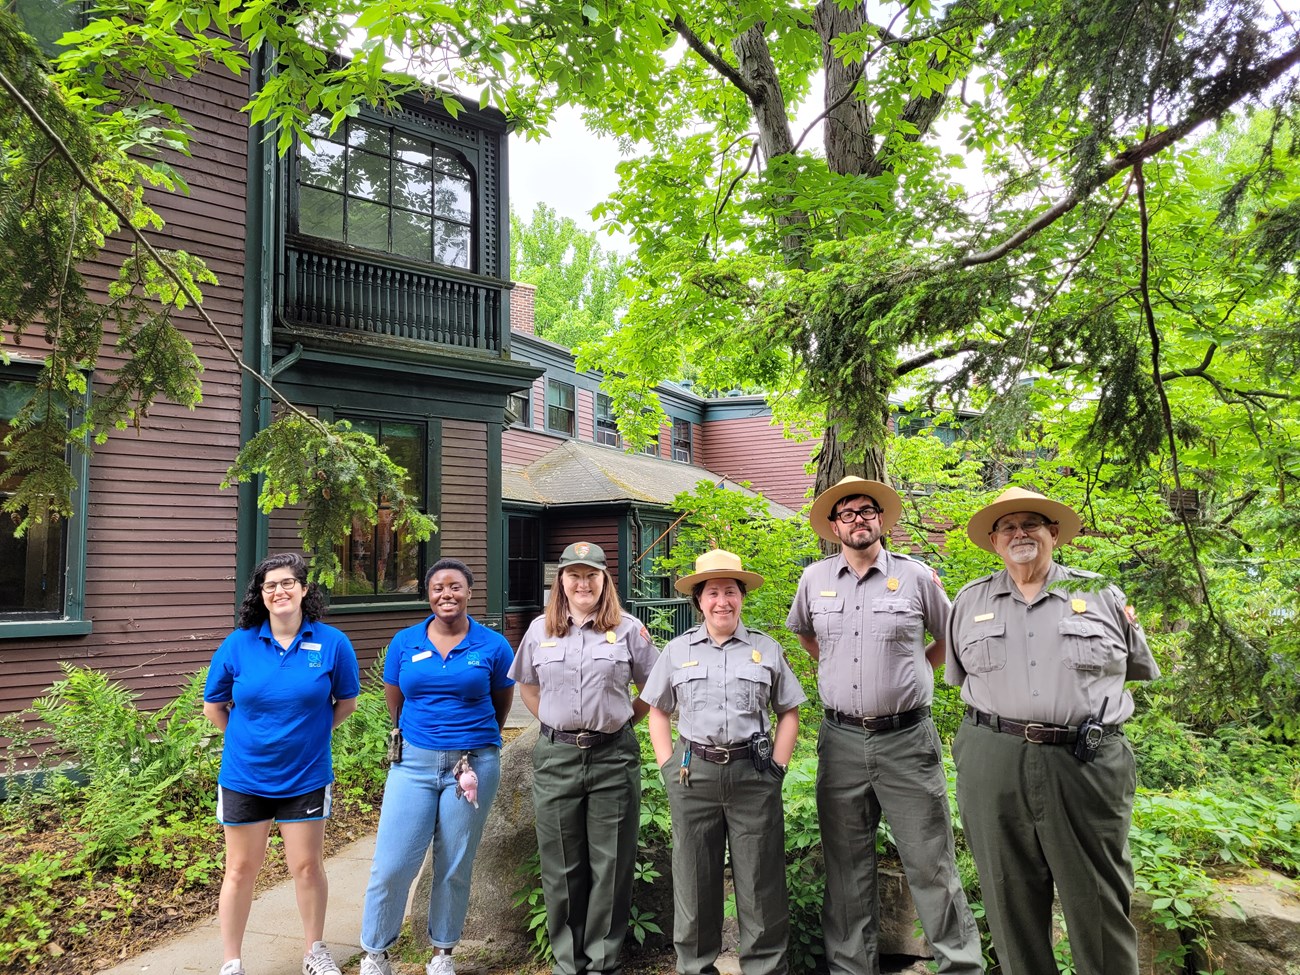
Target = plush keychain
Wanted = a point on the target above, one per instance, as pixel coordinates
(466, 781)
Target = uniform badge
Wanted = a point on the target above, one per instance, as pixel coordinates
(313, 658)
(645, 634)
(756, 657)
(891, 584)
(691, 663)
(582, 548)
(935, 576)
(827, 592)
(1131, 615)
(549, 643)
(983, 617)
(1079, 605)
(472, 659)
(425, 655)
(609, 636)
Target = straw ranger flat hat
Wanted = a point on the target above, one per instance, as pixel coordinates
(886, 497)
(718, 565)
(1018, 499)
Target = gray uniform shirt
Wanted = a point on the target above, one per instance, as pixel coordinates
(583, 676)
(1053, 659)
(722, 693)
(871, 631)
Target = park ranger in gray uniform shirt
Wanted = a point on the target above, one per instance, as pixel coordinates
(1039, 649)
(724, 786)
(573, 670)
(863, 616)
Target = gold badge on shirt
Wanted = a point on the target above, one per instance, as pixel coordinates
(1079, 605)
(891, 584)
(609, 636)
(756, 657)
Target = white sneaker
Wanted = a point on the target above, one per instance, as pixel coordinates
(233, 967)
(320, 961)
(440, 964)
(375, 963)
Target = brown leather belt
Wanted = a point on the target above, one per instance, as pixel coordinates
(1034, 732)
(718, 754)
(886, 722)
(583, 739)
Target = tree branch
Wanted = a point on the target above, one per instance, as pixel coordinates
(1222, 93)
(938, 355)
(713, 58)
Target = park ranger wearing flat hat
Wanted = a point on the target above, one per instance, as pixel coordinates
(863, 615)
(1045, 776)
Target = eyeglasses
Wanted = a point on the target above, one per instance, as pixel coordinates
(1029, 527)
(848, 516)
(288, 585)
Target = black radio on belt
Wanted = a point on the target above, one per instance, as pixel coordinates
(760, 751)
(1091, 732)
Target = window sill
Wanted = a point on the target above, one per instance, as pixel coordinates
(378, 606)
(20, 629)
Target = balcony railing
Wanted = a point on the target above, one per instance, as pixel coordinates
(355, 295)
(663, 615)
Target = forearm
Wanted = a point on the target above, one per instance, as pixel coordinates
(531, 695)
(502, 698)
(787, 732)
(218, 712)
(934, 653)
(810, 644)
(342, 709)
(661, 735)
(639, 709)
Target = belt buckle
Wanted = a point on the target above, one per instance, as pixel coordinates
(1032, 726)
(726, 756)
(578, 739)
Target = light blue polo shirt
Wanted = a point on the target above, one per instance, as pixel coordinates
(448, 703)
(277, 741)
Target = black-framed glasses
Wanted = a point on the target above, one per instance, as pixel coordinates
(847, 516)
(1029, 527)
(288, 585)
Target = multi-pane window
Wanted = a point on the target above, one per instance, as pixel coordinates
(520, 406)
(682, 440)
(378, 560)
(606, 426)
(648, 580)
(560, 410)
(32, 568)
(524, 561)
(651, 449)
(378, 187)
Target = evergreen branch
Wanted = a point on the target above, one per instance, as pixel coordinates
(937, 355)
(1223, 91)
(93, 188)
(714, 58)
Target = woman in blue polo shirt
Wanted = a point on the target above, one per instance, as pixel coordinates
(448, 692)
(278, 686)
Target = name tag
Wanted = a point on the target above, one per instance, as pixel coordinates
(549, 643)
(422, 656)
(691, 663)
(983, 617)
(311, 646)
(827, 592)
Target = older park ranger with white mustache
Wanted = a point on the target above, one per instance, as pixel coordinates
(1045, 776)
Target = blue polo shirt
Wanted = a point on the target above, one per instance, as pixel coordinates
(448, 703)
(278, 738)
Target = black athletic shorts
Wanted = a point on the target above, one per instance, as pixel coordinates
(241, 809)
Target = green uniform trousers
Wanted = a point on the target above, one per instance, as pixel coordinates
(860, 775)
(737, 808)
(588, 806)
(1035, 815)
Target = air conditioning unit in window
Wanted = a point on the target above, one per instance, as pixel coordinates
(682, 455)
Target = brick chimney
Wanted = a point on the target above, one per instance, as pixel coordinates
(521, 308)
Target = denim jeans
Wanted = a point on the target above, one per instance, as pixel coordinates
(420, 805)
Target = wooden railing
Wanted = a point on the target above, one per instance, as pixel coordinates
(355, 295)
(677, 614)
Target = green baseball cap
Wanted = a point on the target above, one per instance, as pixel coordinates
(583, 553)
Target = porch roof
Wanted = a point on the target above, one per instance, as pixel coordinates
(585, 473)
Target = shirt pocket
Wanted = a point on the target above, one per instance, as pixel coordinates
(1086, 646)
(984, 648)
(827, 618)
(895, 621)
(690, 688)
(549, 663)
(613, 663)
(754, 683)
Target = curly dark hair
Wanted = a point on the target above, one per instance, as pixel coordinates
(455, 564)
(252, 611)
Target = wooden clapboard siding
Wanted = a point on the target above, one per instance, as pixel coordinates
(752, 449)
(521, 447)
(560, 532)
(586, 421)
(160, 535)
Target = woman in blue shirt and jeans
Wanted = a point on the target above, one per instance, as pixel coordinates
(278, 686)
(446, 683)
